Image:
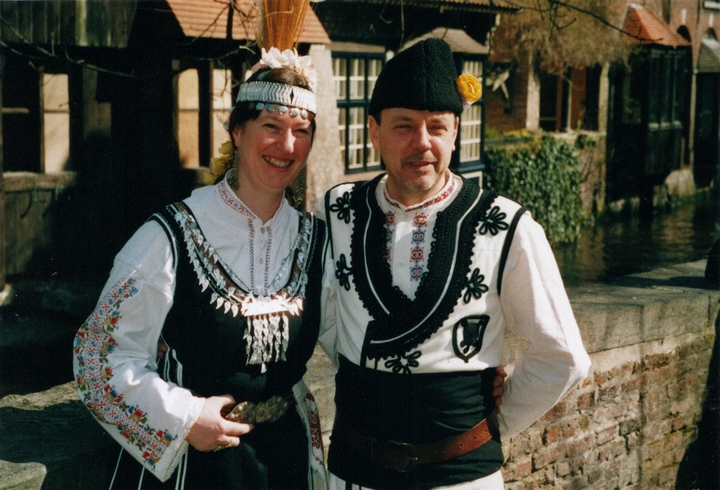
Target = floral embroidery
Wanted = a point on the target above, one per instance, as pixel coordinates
(229, 198)
(389, 231)
(444, 194)
(342, 207)
(475, 286)
(92, 345)
(417, 252)
(493, 222)
(343, 272)
(315, 429)
(403, 363)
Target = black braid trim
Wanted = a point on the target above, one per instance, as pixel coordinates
(366, 212)
(446, 257)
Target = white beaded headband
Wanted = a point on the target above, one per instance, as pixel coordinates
(285, 98)
(279, 96)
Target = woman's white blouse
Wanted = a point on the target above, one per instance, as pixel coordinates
(115, 357)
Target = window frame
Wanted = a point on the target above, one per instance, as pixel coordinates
(346, 104)
(475, 165)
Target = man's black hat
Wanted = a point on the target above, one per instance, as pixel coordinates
(421, 77)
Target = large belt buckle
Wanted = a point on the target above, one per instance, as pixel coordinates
(404, 447)
(255, 413)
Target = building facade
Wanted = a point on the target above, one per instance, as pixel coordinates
(656, 113)
(111, 110)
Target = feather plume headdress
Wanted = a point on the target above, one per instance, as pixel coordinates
(279, 27)
(281, 22)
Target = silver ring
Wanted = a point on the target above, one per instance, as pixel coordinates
(221, 447)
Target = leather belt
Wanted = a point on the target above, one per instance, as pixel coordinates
(402, 456)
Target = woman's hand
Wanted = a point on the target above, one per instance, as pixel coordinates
(211, 431)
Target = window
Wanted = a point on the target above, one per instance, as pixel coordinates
(569, 100)
(188, 103)
(355, 75)
(56, 122)
(222, 104)
(189, 112)
(471, 123)
(667, 79)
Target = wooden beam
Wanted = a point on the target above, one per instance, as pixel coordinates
(2, 192)
(205, 112)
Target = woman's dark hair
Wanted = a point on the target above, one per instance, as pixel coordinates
(242, 112)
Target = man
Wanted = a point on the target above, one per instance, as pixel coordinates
(424, 272)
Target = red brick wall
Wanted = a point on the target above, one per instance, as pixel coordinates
(508, 114)
(626, 426)
(629, 424)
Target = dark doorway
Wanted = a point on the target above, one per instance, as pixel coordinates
(707, 128)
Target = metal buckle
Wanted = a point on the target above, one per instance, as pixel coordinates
(255, 413)
(412, 457)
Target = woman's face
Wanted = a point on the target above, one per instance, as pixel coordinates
(272, 150)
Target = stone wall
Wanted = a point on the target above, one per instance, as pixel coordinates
(629, 425)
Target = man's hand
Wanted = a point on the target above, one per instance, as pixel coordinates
(498, 390)
(161, 350)
(211, 431)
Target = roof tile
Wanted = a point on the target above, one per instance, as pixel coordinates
(644, 27)
(209, 19)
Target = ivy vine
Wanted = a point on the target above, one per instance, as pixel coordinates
(543, 176)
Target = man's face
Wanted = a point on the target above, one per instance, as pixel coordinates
(416, 147)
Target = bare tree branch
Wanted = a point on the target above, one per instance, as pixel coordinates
(560, 33)
(554, 5)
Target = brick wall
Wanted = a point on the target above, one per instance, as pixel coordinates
(628, 425)
(650, 337)
(511, 113)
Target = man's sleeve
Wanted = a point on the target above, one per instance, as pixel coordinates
(328, 298)
(536, 307)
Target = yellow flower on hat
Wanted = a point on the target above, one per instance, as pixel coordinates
(470, 89)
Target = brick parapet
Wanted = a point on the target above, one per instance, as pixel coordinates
(628, 425)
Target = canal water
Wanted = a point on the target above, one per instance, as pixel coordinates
(621, 245)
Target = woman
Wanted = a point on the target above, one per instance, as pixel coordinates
(227, 283)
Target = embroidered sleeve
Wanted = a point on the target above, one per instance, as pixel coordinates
(114, 357)
(536, 307)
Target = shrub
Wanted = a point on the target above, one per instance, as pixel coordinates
(543, 176)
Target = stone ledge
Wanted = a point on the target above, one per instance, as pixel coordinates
(637, 308)
(49, 440)
(643, 307)
(21, 476)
